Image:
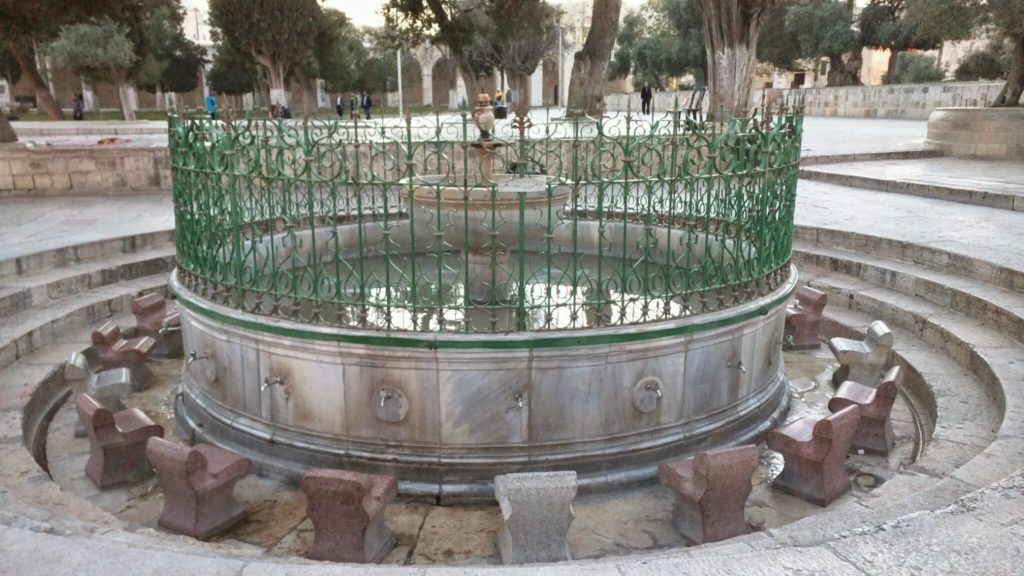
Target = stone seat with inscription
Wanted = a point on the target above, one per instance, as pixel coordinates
(536, 512)
(198, 484)
(112, 350)
(117, 442)
(864, 360)
(347, 511)
(154, 319)
(711, 491)
(107, 387)
(803, 317)
(874, 433)
(815, 455)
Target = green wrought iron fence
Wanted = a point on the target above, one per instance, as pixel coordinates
(416, 225)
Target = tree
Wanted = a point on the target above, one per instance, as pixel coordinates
(888, 25)
(515, 38)
(450, 23)
(590, 64)
(9, 68)
(184, 58)
(1007, 18)
(731, 29)
(232, 73)
(338, 52)
(992, 63)
(277, 34)
(796, 35)
(683, 20)
(98, 50)
(917, 69)
(25, 24)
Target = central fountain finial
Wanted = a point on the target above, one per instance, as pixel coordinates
(483, 117)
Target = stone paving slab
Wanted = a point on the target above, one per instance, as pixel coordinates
(979, 232)
(983, 182)
(30, 225)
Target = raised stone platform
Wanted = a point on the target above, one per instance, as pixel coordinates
(948, 277)
(996, 133)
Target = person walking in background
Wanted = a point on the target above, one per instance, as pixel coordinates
(367, 103)
(211, 105)
(78, 107)
(645, 98)
(339, 106)
(352, 107)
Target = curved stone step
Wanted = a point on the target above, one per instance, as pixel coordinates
(20, 293)
(29, 331)
(81, 253)
(998, 308)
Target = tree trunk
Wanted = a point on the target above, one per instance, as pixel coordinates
(521, 87)
(278, 88)
(6, 131)
(308, 94)
(890, 70)
(43, 95)
(468, 78)
(123, 88)
(731, 28)
(1011, 92)
(590, 65)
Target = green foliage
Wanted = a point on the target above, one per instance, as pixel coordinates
(99, 50)
(917, 69)
(231, 73)
(277, 34)
(886, 24)
(992, 63)
(183, 58)
(665, 39)
(778, 43)
(338, 52)
(823, 29)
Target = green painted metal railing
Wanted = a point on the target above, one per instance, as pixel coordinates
(390, 226)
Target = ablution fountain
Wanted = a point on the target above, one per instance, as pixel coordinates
(427, 300)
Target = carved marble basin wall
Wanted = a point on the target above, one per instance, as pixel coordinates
(447, 412)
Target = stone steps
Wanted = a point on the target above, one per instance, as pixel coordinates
(976, 196)
(23, 292)
(79, 253)
(32, 330)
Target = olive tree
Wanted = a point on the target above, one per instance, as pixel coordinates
(590, 63)
(731, 29)
(98, 50)
(279, 35)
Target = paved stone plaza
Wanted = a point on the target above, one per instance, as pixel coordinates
(891, 231)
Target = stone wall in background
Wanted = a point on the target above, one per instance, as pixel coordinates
(55, 171)
(993, 133)
(905, 101)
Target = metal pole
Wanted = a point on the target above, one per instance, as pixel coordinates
(400, 82)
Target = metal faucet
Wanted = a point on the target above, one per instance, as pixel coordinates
(739, 366)
(277, 381)
(193, 356)
(653, 387)
(384, 396)
(518, 397)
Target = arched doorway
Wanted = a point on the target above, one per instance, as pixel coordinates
(441, 75)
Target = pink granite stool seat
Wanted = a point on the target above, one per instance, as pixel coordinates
(198, 484)
(117, 442)
(114, 351)
(347, 511)
(874, 433)
(803, 317)
(711, 491)
(153, 319)
(815, 454)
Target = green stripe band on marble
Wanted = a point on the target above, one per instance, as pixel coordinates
(486, 341)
